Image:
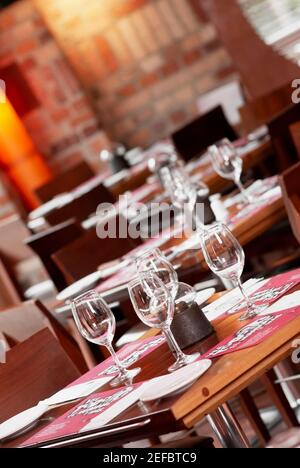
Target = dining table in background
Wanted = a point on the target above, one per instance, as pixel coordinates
(253, 154)
(246, 228)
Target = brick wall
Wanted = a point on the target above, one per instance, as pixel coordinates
(143, 62)
(7, 200)
(63, 125)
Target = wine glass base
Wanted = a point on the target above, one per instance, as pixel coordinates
(185, 361)
(126, 378)
(250, 314)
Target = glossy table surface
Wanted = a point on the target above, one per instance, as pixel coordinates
(228, 375)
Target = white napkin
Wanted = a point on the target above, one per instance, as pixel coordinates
(22, 420)
(76, 391)
(193, 243)
(115, 178)
(284, 303)
(252, 145)
(231, 299)
(2, 352)
(118, 408)
(255, 187)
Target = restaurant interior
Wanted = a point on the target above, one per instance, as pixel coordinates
(150, 225)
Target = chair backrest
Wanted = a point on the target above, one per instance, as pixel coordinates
(45, 243)
(195, 137)
(20, 322)
(9, 294)
(261, 110)
(85, 254)
(34, 370)
(13, 232)
(83, 206)
(295, 133)
(65, 182)
(289, 182)
(279, 129)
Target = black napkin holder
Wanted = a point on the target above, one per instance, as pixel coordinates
(190, 325)
(208, 215)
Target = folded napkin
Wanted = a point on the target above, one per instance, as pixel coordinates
(74, 392)
(22, 420)
(231, 299)
(290, 301)
(116, 409)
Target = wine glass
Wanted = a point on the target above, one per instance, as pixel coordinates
(154, 261)
(229, 165)
(97, 324)
(157, 311)
(226, 258)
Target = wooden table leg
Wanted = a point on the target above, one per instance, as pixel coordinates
(252, 413)
(227, 428)
(277, 394)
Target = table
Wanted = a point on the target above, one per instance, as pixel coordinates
(138, 175)
(228, 376)
(245, 230)
(256, 155)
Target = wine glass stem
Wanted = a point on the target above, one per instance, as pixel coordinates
(249, 303)
(243, 191)
(116, 358)
(171, 339)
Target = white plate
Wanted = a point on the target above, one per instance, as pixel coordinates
(203, 296)
(21, 421)
(167, 385)
(107, 271)
(76, 392)
(51, 205)
(84, 284)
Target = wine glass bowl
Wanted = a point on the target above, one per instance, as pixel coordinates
(226, 258)
(154, 261)
(228, 164)
(97, 324)
(155, 308)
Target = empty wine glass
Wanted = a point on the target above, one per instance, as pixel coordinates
(157, 311)
(154, 261)
(225, 257)
(97, 324)
(229, 165)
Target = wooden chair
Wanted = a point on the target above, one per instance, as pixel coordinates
(194, 138)
(279, 129)
(65, 182)
(85, 254)
(9, 294)
(13, 232)
(259, 111)
(20, 322)
(289, 182)
(34, 370)
(82, 207)
(295, 133)
(44, 244)
(22, 265)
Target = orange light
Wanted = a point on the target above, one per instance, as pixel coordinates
(19, 157)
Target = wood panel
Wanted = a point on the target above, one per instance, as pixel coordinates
(262, 69)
